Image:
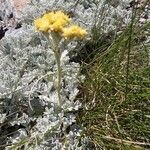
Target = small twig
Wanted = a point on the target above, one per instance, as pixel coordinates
(117, 123)
(125, 141)
(107, 117)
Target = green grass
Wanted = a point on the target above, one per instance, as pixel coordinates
(116, 91)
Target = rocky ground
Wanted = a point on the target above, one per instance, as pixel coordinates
(8, 10)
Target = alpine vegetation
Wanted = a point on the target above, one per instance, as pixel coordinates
(44, 82)
(38, 82)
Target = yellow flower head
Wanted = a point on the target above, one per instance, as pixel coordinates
(53, 21)
(57, 22)
(41, 24)
(49, 17)
(57, 26)
(59, 15)
(74, 32)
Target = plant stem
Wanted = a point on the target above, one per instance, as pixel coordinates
(57, 56)
(52, 41)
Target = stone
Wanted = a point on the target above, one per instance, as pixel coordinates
(19, 4)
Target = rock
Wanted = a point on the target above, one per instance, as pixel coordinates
(19, 4)
(9, 9)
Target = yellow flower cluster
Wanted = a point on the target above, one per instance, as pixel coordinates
(74, 31)
(53, 21)
(57, 22)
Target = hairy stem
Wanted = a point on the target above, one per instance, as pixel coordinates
(52, 40)
(57, 56)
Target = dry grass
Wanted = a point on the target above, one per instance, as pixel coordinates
(116, 92)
